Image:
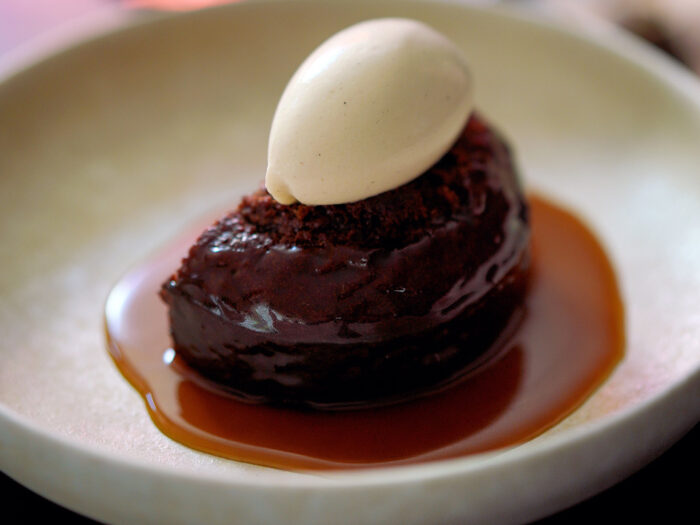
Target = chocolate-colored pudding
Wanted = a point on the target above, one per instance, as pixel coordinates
(361, 303)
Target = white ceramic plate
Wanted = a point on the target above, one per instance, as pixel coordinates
(110, 148)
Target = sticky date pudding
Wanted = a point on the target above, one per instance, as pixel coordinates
(389, 257)
(364, 302)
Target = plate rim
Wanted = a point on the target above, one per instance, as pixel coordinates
(609, 39)
(332, 479)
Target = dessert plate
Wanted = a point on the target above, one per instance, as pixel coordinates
(112, 147)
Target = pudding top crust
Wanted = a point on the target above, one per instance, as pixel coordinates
(455, 188)
(397, 263)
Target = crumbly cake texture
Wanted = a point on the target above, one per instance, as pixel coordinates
(348, 304)
(452, 189)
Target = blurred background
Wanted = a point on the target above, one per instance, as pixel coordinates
(673, 26)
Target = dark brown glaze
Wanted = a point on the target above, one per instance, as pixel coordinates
(364, 302)
(570, 339)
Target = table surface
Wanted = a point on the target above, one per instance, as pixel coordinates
(667, 485)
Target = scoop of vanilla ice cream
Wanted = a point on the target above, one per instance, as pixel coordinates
(369, 110)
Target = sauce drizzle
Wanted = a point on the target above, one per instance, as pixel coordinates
(569, 342)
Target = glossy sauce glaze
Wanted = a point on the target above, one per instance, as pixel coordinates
(364, 302)
(567, 344)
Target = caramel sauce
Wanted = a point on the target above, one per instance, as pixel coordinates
(569, 342)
